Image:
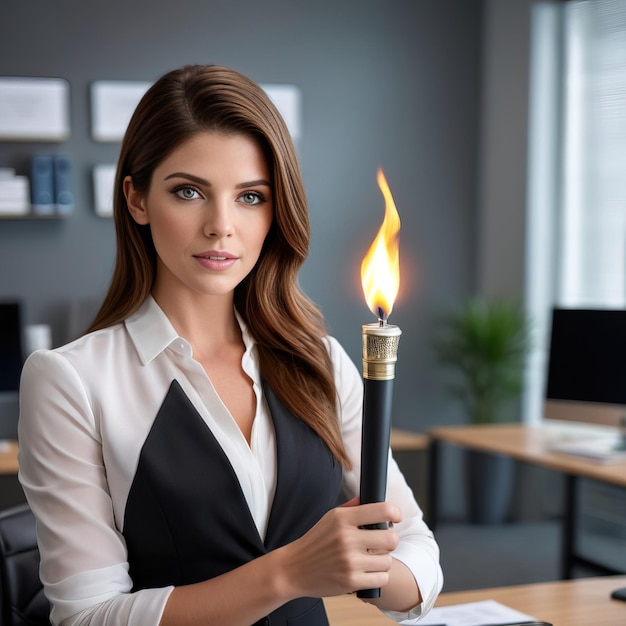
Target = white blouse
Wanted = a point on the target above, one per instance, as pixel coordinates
(85, 411)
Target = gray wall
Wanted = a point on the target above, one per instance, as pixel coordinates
(502, 195)
(395, 83)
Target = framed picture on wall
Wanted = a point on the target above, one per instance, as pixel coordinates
(112, 104)
(288, 101)
(103, 188)
(34, 109)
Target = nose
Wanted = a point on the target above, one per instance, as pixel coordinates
(218, 219)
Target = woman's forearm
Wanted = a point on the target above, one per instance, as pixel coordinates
(402, 592)
(240, 597)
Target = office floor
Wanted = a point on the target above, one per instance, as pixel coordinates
(479, 556)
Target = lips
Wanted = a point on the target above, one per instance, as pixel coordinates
(216, 255)
(216, 259)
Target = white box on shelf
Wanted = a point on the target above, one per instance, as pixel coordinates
(103, 183)
(14, 196)
(15, 188)
(13, 208)
(288, 101)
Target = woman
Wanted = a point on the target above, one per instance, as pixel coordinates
(185, 457)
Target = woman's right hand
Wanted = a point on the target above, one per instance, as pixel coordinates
(338, 555)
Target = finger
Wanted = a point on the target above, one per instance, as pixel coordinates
(379, 512)
(379, 541)
(377, 563)
(371, 580)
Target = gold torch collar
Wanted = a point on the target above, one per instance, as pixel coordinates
(380, 350)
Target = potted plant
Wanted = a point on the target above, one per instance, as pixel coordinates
(485, 345)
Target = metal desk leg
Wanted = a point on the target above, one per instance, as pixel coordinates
(570, 527)
(434, 448)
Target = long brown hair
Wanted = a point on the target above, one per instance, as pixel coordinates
(286, 325)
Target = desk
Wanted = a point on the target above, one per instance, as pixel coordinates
(528, 444)
(406, 440)
(402, 440)
(583, 602)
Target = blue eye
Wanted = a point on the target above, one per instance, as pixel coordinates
(186, 193)
(252, 197)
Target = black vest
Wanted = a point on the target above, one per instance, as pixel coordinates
(187, 519)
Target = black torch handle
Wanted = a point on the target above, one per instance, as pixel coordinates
(375, 451)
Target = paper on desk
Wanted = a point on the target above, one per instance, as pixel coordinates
(483, 613)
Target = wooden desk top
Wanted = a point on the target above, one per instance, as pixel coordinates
(529, 444)
(400, 440)
(8, 457)
(407, 440)
(350, 611)
(583, 602)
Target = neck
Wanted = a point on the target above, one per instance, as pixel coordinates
(207, 322)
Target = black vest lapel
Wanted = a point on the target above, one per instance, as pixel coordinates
(176, 501)
(308, 477)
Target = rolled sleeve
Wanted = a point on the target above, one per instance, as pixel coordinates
(101, 597)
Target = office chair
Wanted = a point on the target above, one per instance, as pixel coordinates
(22, 602)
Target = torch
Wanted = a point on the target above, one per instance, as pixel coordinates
(380, 277)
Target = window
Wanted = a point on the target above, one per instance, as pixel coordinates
(592, 224)
(576, 238)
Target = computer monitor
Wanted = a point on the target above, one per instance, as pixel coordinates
(586, 376)
(11, 350)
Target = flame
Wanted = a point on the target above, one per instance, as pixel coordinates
(380, 268)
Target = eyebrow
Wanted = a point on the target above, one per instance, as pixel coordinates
(191, 177)
(203, 181)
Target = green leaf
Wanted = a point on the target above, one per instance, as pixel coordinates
(485, 345)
